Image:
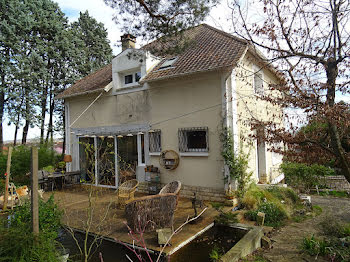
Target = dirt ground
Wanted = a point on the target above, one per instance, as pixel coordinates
(287, 240)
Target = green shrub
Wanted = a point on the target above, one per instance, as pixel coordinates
(49, 217)
(314, 247)
(274, 215)
(17, 243)
(216, 253)
(306, 176)
(20, 162)
(226, 218)
(330, 248)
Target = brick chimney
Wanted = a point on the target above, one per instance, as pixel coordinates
(128, 41)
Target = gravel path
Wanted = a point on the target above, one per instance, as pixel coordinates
(287, 240)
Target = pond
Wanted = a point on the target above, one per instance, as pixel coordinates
(111, 251)
(219, 238)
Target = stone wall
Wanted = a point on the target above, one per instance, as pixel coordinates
(203, 193)
(337, 183)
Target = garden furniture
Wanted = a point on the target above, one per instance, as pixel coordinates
(151, 212)
(126, 191)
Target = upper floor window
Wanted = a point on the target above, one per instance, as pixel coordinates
(132, 78)
(258, 83)
(193, 139)
(128, 79)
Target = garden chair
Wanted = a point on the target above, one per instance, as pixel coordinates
(126, 191)
(173, 188)
(151, 212)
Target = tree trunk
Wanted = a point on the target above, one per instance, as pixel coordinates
(2, 106)
(50, 127)
(15, 136)
(25, 132)
(43, 112)
(332, 73)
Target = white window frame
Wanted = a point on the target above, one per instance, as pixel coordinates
(133, 74)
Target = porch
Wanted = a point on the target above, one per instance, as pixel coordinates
(109, 221)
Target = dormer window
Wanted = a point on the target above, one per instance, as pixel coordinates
(128, 79)
(137, 76)
(168, 63)
(132, 78)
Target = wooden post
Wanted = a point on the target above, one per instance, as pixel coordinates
(8, 170)
(34, 191)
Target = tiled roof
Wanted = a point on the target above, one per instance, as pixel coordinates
(209, 49)
(91, 83)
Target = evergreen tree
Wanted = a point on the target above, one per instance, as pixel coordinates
(94, 44)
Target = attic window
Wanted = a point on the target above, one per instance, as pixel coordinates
(168, 63)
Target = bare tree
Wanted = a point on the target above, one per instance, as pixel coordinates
(308, 42)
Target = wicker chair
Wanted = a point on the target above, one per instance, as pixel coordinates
(151, 212)
(126, 191)
(172, 187)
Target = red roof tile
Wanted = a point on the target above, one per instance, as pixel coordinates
(91, 83)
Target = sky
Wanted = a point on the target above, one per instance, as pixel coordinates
(104, 14)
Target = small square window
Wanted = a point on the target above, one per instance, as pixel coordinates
(193, 139)
(155, 144)
(128, 79)
(137, 76)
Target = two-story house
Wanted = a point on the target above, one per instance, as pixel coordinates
(142, 104)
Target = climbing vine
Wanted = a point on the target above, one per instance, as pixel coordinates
(235, 160)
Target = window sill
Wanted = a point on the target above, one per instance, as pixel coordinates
(194, 154)
(154, 153)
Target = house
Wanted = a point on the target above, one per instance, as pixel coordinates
(142, 104)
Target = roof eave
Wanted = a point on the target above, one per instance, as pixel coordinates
(230, 67)
(78, 94)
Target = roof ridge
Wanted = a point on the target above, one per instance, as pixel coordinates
(225, 33)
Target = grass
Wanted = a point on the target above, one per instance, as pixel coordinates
(335, 193)
(278, 204)
(334, 244)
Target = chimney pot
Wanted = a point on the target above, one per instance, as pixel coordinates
(128, 41)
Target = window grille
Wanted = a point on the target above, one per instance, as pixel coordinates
(258, 83)
(195, 139)
(155, 144)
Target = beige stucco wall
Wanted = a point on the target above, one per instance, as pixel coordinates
(191, 101)
(249, 106)
(166, 100)
(175, 98)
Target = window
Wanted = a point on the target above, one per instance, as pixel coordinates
(193, 139)
(258, 83)
(168, 63)
(155, 141)
(128, 79)
(137, 76)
